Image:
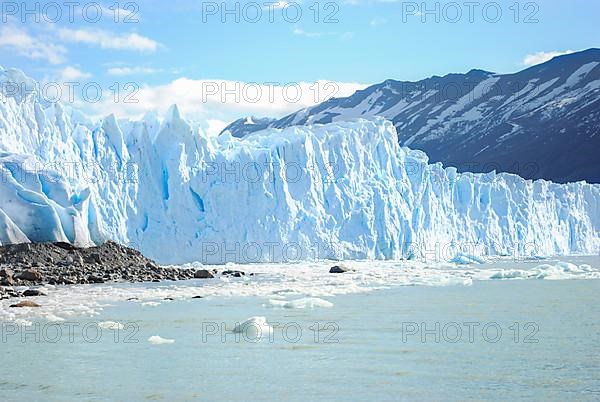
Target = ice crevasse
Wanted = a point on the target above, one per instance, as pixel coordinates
(345, 190)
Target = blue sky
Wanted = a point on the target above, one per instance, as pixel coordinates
(168, 47)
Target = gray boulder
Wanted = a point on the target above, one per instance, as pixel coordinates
(31, 275)
(339, 269)
(203, 274)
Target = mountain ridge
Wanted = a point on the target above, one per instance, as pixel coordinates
(540, 123)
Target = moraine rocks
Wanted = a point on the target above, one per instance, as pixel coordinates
(33, 265)
(37, 264)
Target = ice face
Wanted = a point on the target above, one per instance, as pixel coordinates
(343, 190)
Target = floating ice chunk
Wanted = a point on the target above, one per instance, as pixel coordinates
(567, 267)
(158, 340)
(511, 274)
(535, 258)
(53, 318)
(466, 259)
(560, 271)
(111, 325)
(254, 328)
(150, 304)
(21, 322)
(304, 303)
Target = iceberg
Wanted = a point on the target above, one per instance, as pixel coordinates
(116, 326)
(303, 303)
(158, 340)
(344, 190)
(254, 328)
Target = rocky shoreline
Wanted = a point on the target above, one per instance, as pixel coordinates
(33, 265)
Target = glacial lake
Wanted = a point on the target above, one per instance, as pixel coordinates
(497, 331)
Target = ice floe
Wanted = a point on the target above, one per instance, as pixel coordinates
(158, 340)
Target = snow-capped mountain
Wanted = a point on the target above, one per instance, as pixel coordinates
(242, 127)
(543, 122)
(341, 190)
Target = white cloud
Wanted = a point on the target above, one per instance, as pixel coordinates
(72, 74)
(214, 126)
(301, 32)
(276, 4)
(377, 21)
(221, 100)
(48, 43)
(121, 14)
(542, 57)
(121, 71)
(24, 44)
(89, 12)
(109, 40)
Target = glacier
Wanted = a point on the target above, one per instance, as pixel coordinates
(343, 190)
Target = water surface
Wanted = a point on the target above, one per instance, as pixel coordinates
(484, 339)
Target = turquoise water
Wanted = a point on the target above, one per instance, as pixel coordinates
(369, 346)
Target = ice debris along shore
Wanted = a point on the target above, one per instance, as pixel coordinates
(344, 190)
(291, 286)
